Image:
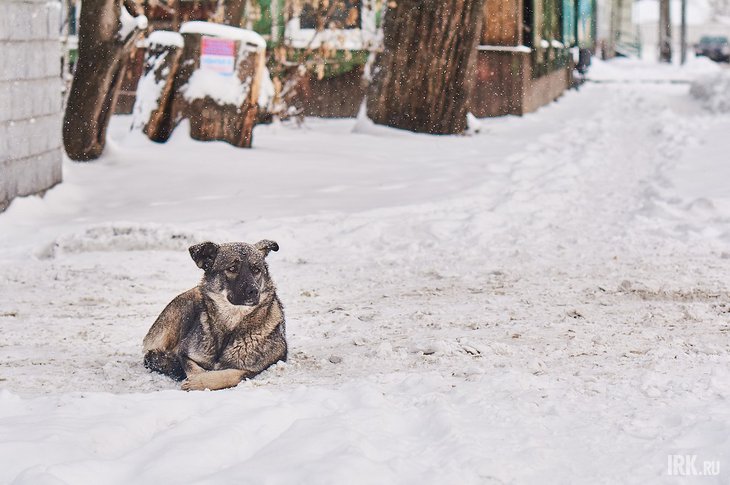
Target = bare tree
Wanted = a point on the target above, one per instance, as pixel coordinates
(104, 46)
(665, 31)
(422, 80)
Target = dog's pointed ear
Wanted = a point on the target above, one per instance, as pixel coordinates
(265, 246)
(204, 254)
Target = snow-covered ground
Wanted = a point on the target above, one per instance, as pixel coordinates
(544, 302)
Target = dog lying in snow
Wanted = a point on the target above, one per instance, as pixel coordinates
(228, 328)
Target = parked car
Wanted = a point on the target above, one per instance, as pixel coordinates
(716, 48)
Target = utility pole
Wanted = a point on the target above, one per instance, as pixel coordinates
(611, 48)
(683, 33)
(665, 32)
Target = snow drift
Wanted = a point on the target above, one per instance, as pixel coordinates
(713, 91)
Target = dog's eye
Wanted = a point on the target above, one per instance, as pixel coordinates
(233, 269)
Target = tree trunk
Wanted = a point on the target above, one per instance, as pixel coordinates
(665, 31)
(212, 119)
(102, 58)
(175, 7)
(423, 77)
(233, 13)
(153, 106)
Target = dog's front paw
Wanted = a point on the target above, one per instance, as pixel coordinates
(193, 383)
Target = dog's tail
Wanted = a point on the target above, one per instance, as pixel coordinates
(164, 363)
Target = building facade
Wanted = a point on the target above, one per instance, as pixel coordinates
(527, 53)
(30, 98)
(616, 32)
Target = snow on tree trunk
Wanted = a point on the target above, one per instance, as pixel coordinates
(421, 80)
(219, 107)
(107, 33)
(153, 105)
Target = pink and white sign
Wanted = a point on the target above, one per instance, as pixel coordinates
(217, 55)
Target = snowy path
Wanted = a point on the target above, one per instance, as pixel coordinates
(546, 302)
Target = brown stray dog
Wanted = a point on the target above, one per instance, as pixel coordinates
(228, 328)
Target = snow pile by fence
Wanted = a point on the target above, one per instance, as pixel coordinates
(713, 91)
(634, 70)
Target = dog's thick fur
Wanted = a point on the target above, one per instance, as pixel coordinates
(228, 328)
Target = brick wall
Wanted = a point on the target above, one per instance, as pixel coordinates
(30, 97)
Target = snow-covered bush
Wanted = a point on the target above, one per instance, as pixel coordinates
(713, 91)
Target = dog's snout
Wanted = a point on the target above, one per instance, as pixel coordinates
(245, 295)
(251, 293)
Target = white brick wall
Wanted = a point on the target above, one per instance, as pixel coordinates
(30, 97)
